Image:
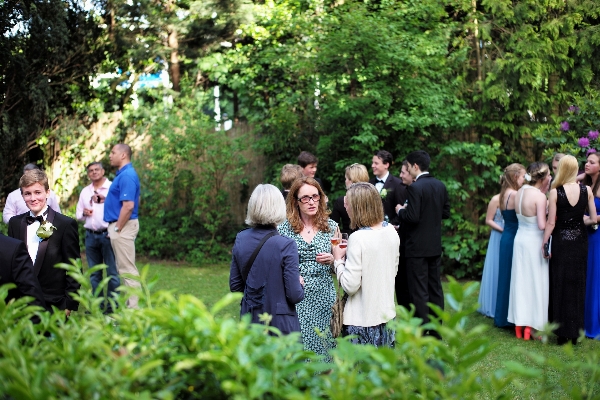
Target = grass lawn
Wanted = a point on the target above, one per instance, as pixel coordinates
(211, 283)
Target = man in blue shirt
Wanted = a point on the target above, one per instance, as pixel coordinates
(121, 213)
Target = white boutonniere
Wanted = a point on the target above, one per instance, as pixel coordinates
(383, 193)
(45, 230)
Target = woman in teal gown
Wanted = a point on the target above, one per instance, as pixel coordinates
(512, 180)
(489, 279)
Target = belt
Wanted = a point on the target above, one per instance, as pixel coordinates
(110, 222)
(97, 232)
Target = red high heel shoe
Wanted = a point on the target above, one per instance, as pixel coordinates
(527, 333)
(519, 332)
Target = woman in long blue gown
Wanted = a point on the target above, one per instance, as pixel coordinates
(592, 291)
(489, 280)
(512, 180)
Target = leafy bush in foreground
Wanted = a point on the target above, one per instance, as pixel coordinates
(175, 348)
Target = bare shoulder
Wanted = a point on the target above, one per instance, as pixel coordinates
(495, 199)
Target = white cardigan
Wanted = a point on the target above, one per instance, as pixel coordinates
(369, 275)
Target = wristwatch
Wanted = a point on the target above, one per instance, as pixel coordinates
(116, 229)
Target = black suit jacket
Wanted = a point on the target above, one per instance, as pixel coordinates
(16, 267)
(427, 205)
(396, 194)
(62, 246)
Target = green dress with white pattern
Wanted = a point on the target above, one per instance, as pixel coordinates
(314, 311)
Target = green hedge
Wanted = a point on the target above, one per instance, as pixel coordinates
(176, 348)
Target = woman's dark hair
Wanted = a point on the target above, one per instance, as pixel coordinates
(587, 180)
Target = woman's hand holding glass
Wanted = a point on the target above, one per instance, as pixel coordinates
(325, 258)
(338, 246)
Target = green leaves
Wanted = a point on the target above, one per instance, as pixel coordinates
(179, 349)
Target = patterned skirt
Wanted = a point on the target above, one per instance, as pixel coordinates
(378, 335)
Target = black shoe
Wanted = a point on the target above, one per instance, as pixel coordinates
(562, 340)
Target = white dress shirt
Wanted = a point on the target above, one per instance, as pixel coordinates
(95, 222)
(422, 173)
(33, 241)
(379, 185)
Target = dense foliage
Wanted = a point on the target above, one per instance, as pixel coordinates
(48, 50)
(185, 173)
(478, 84)
(175, 348)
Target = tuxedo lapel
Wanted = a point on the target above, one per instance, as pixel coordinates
(41, 253)
(388, 182)
(23, 227)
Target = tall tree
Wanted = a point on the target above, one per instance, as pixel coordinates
(48, 51)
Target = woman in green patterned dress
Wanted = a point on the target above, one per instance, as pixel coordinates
(309, 226)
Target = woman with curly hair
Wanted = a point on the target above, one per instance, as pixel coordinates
(309, 226)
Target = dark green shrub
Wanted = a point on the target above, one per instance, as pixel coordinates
(176, 348)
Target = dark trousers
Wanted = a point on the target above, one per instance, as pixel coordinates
(402, 294)
(424, 284)
(98, 250)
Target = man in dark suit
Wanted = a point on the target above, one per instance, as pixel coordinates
(51, 238)
(427, 205)
(16, 267)
(391, 188)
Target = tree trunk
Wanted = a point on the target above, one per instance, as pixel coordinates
(174, 71)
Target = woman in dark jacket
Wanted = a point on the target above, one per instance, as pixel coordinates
(274, 284)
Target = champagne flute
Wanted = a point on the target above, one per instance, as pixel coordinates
(335, 239)
(344, 242)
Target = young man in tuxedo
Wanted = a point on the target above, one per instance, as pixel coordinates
(391, 189)
(57, 241)
(15, 204)
(16, 267)
(422, 218)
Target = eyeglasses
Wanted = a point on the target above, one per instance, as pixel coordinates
(306, 199)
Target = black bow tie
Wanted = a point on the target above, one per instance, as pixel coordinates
(31, 220)
(380, 181)
(40, 218)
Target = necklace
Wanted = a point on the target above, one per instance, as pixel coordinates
(307, 229)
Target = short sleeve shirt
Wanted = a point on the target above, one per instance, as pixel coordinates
(125, 187)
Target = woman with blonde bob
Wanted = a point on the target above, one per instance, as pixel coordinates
(354, 173)
(568, 254)
(366, 273)
(273, 283)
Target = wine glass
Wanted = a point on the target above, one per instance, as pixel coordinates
(344, 241)
(336, 239)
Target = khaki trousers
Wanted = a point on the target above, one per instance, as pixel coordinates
(123, 244)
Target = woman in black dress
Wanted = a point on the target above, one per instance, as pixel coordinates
(568, 254)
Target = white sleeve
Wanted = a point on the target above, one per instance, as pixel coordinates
(79, 208)
(350, 274)
(10, 208)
